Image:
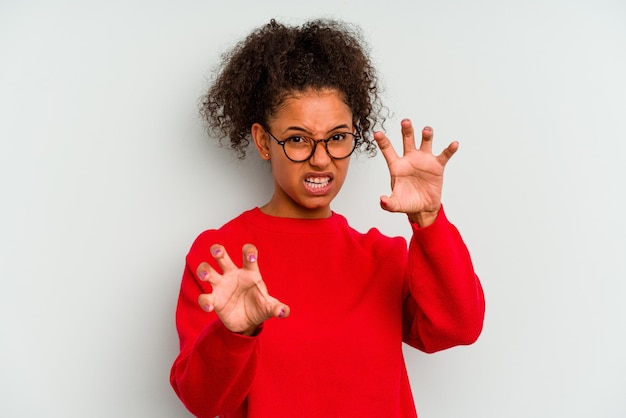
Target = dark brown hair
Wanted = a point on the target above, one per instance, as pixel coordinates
(275, 61)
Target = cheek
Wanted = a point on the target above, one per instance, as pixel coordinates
(284, 174)
(342, 168)
(341, 173)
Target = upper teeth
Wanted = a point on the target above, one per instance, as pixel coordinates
(318, 180)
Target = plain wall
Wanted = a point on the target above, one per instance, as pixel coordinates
(106, 177)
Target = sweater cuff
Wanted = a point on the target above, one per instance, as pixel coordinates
(440, 222)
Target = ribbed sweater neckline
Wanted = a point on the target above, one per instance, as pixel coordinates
(256, 218)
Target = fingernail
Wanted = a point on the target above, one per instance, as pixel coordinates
(207, 308)
(251, 258)
(216, 252)
(282, 313)
(203, 274)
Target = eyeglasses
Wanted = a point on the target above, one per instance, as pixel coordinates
(300, 148)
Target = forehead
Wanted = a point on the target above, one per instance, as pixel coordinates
(312, 110)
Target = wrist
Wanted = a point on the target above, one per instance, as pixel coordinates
(423, 219)
(250, 332)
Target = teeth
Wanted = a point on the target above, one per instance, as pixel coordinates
(318, 182)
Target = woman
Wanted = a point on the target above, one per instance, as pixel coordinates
(344, 301)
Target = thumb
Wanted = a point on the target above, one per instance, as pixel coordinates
(281, 310)
(388, 203)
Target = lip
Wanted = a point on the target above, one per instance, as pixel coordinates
(318, 183)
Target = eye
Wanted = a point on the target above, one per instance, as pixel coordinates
(338, 137)
(298, 140)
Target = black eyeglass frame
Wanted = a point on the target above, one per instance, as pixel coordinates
(357, 137)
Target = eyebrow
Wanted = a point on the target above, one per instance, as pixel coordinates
(302, 130)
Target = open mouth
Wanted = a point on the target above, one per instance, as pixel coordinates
(317, 182)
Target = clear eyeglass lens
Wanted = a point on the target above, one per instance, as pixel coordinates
(338, 146)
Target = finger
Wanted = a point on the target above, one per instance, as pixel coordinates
(223, 259)
(206, 302)
(389, 204)
(408, 137)
(250, 257)
(206, 273)
(281, 310)
(447, 153)
(385, 147)
(427, 140)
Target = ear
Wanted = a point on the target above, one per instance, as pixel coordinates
(261, 141)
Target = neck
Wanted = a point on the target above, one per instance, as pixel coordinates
(273, 209)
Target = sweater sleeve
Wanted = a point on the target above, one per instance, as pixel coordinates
(215, 367)
(445, 306)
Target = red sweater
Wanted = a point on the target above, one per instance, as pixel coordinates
(354, 299)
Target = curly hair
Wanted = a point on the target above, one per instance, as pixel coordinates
(276, 60)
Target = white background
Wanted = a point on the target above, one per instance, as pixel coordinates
(106, 177)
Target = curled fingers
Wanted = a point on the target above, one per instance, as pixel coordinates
(250, 256)
(447, 153)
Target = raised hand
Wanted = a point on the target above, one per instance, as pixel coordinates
(239, 298)
(417, 176)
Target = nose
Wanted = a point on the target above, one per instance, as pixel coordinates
(320, 157)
